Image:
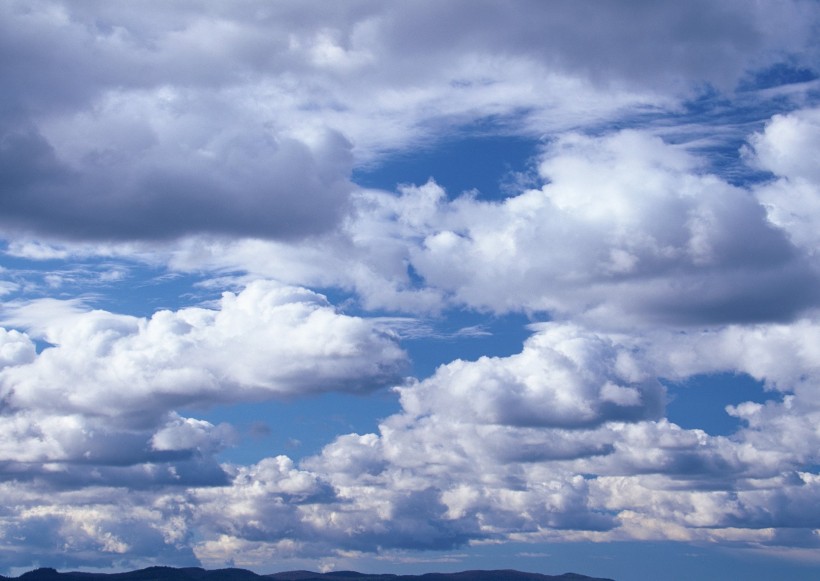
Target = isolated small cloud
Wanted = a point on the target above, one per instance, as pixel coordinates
(192, 434)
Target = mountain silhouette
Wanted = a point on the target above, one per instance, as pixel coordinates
(234, 574)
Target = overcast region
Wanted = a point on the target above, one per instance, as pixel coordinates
(212, 255)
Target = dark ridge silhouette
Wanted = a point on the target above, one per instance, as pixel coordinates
(233, 574)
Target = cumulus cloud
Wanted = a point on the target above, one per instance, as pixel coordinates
(243, 183)
(447, 468)
(787, 147)
(222, 140)
(625, 229)
(93, 528)
(562, 378)
(97, 404)
(454, 465)
(15, 348)
(620, 218)
(190, 434)
(267, 341)
(120, 128)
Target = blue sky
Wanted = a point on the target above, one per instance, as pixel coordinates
(407, 287)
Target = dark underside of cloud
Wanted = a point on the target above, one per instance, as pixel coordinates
(267, 188)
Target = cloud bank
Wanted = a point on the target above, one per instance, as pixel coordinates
(224, 141)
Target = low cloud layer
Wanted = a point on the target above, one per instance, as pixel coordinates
(98, 403)
(440, 473)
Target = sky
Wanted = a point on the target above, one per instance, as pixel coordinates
(411, 286)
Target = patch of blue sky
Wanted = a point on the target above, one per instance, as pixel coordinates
(465, 335)
(778, 75)
(157, 289)
(700, 401)
(484, 165)
(297, 427)
(713, 124)
(120, 286)
(717, 131)
(717, 127)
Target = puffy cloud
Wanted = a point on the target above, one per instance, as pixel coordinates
(753, 514)
(563, 378)
(267, 341)
(448, 468)
(92, 528)
(82, 427)
(96, 405)
(437, 476)
(120, 128)
(249, 183)
(787, 147)
(625, 229)
(628, 227)
(788, 144)
(15, 348)
(191, 434)
(781, 355)
(121, 123)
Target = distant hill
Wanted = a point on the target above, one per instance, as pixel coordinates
(198, 574)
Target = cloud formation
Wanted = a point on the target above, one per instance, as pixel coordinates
(98, 402)
(625, 229)
(442, 470)
(439, 473)
(786, 148)
(120, 127)
(224, 141)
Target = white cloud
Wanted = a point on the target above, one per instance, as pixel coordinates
(97, 404)
(192, 434)
(223, 140)
(267, 341)
(15, 348)
(133, 129)
(450, 468)
(788, 148)
(92, 527)
(625, 229)
(563, 378)
(788, 145)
